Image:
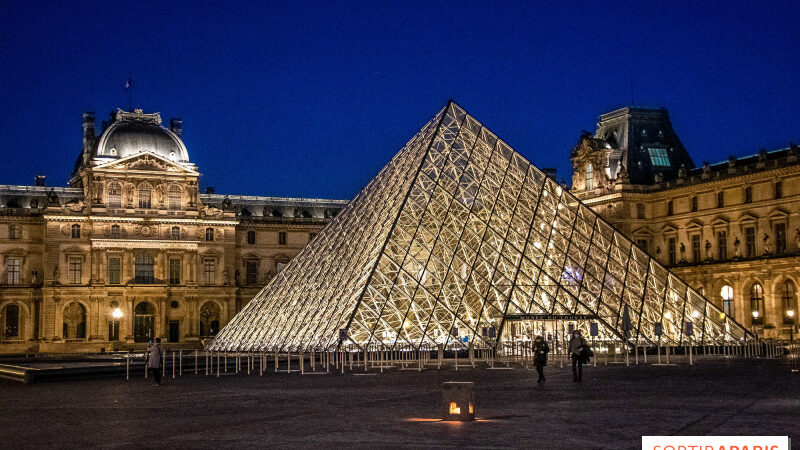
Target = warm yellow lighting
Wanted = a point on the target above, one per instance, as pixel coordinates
(722, 315)
(454, 409)
(695, 314)
(790, 313)
(471, 409)
(755, 314)
(117, 313)
(668, 315)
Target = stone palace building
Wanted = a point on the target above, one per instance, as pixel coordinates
(132, 251)
(731, 229)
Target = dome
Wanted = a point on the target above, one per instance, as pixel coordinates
(134, 133)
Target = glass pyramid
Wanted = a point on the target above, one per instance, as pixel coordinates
(457, 235)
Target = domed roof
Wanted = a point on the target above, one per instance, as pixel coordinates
(133, 133)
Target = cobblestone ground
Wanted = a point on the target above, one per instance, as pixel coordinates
(612, 408)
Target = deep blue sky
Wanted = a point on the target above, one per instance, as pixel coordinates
(313, 98)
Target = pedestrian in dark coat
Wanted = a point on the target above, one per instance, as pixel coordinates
(577, 346)
(540, 351)
(154, 360)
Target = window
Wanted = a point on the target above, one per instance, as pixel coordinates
(12, 321)
(640, 210)
(727, 301)
(789, 302)
(748, 194)
(251, 237)
(671, 251)
(658, 157)
(144, 197)
(589, 177)
(76, 231)
(282, 238)
(670, 208)
(642, 243)
(114, 195)
(114, 270)
(74, 272)
(720, 199)
(757, 304)
(778, 189)
(175, 233)
(209, 269)
(694, 204)
(174, 197)
(311, 236)
(696, 248)
(12, 270)
(722, 245)
(174, 271)
(115, 232)
(209, 234)
(143, 269)
(251, 272)
(780, 238)
(14, 232)
(750, 242)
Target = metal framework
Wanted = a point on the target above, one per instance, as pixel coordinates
(456, 233)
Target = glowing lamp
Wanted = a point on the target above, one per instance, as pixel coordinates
(755, 314)
(117, 313)
(790, 313)
(458, 401)
(695, 314)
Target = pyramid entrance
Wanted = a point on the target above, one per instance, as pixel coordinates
(457, 235)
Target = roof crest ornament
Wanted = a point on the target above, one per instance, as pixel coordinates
(137, 116)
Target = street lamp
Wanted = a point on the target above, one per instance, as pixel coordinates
(117, 313)
(755, 330)
(790, 313)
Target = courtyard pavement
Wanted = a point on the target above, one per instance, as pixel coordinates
(613, 407)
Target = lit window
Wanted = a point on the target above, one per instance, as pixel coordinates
(727, 300)
(789, 303)
(76, 232)
(12, 270)
(144, 196)
(209, 234)
(174, 197)
(658, 157)
(757, 304)
(589, 177)
(114, 195)
(74, 272)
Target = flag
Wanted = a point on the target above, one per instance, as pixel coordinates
(128, 83)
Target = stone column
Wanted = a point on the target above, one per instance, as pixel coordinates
(164, 321)
(94, 335)
(127, 321)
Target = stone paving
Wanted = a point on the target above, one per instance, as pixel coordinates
(612, 408)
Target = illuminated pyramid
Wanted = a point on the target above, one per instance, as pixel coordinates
(455, 238)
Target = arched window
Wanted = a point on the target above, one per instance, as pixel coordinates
(144, 196)
(143, 269)
(251, 237)
(727, 301)
(589, 177)
(143, 322)
(757, 304)
(209, 319)
(209, 234)
(174, 197)
(789, 301)
(11, 322)
(76, 231)
(74, 324)
(115, 233)
(175, 233)
(114, 195)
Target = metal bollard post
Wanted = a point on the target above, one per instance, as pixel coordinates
(180, 361)
(195, 361)
(217, 365)
(288, 362)
(128, 366)
(163, 366)
(173, 364)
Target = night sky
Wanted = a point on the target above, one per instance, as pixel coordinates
(312, 99)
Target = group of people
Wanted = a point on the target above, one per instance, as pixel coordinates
(578, 349)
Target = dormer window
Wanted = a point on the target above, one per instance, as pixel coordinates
(144, 197)
(589, 177)
(113, 151)
(172, 156)
(658, 157)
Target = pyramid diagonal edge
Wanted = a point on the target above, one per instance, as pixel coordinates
(461, 239)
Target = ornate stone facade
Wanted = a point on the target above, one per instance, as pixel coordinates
(131, 250)
(731, 229)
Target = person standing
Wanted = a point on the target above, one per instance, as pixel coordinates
(577, 351)
(154, 361)
(540, 351)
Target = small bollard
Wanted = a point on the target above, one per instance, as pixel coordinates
(458, 401)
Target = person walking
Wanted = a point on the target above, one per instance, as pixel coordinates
(577, 350)
(540, 351)
(154, 361)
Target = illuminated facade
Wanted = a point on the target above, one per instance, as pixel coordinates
(132, 250)
(731, 229)
(456, 238)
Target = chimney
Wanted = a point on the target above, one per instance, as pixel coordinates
(210, 190)
(88, 125)
(40, 180)
(176, 125)
(550, 172)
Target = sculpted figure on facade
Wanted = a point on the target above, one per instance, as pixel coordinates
(683, 253)
(129, 188)
(737, 251)
(709, 255)
(767, 245)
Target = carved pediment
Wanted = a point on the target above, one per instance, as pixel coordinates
(147, 161)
